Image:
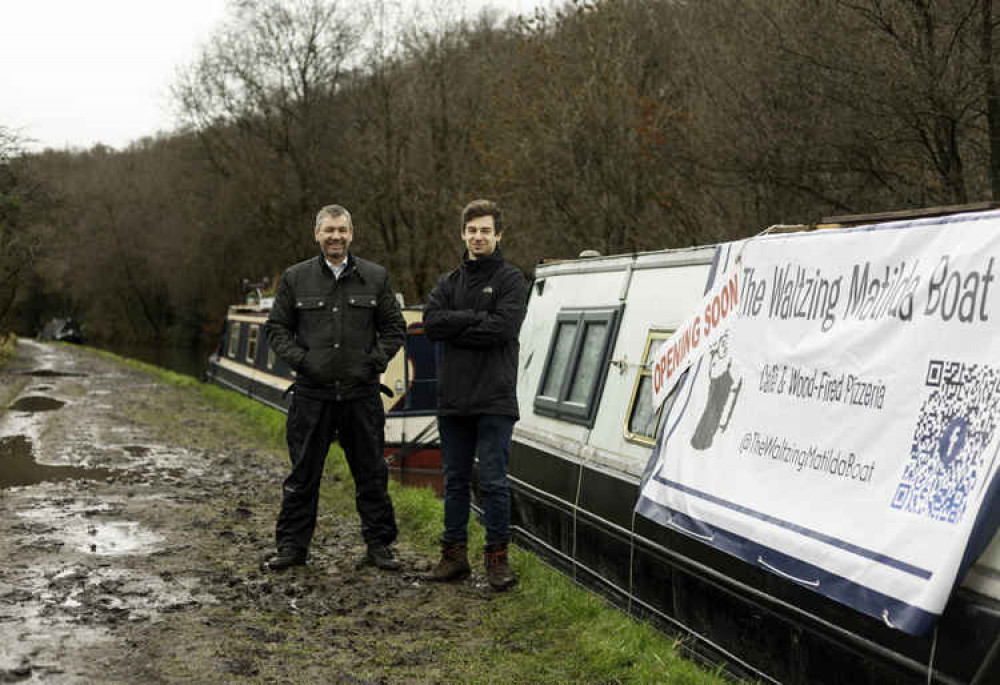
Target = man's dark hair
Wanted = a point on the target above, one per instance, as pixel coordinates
(478, 208)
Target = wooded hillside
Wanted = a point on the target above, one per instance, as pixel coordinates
(617, 125)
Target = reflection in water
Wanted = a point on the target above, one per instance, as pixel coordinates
(18, 467)
(112, 538)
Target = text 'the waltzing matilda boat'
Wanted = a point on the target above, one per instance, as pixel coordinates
(783, 449)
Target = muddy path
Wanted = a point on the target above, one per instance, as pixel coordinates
(133, 520)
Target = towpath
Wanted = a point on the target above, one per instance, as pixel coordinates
(133, 519)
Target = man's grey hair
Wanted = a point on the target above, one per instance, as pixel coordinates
(333, 211)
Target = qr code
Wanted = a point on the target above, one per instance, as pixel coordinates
(948, 455)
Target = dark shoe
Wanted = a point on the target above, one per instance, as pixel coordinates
(454, 563)
(383, 557)
(498, 572)
(284, 559)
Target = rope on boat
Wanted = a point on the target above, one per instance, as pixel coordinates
(424, 438)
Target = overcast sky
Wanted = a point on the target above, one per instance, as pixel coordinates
(77, 72)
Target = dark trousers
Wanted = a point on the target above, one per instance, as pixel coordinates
(312, 426)
(463, 439)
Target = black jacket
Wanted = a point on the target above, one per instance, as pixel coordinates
(338, 335)
(476, 312)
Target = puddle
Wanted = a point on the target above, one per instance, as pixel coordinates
(110, 539)
(18, 466)
(37, 403)
(51, 373)
(81, 528)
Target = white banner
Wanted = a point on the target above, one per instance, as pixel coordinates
(698, 333)
(841, 429)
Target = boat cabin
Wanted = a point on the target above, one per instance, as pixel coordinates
(585, 438)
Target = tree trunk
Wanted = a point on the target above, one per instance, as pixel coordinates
(992, 98)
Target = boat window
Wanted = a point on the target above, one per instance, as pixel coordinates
(577, 363)
(565, 335)
(252, 335)
(234, 338)
(590, 361)
(640, 426)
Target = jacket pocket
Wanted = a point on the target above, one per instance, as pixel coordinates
(318, 366)
(360, 324)
(363, 301)
(309, 311)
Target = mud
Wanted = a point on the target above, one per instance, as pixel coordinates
(133, 522)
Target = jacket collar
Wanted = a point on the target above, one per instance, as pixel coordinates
(482, 262)
(350, 268)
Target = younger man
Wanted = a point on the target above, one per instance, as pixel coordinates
(475, 312)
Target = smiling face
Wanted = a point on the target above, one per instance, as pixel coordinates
(334, 235)
(480, 236)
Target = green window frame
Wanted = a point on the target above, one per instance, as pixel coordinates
(576, 364)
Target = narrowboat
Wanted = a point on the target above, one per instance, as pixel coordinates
(244, 363)
(61, 329)
(587, 443)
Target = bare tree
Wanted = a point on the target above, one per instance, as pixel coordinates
(22, 195)
(991, 88)
(892, 90)
(413, 110)
(586, 127)
(262, 99)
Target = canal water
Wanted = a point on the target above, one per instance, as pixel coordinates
(190, 361)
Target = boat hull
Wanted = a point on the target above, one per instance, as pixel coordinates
(577, 458)
(579, 517)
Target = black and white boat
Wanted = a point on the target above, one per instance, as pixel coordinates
(585, 437)
(244, 363)
(61, 329)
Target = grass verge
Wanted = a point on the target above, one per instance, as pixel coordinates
(546, 630)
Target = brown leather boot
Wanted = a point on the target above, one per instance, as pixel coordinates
(454, 562)
(498, 571)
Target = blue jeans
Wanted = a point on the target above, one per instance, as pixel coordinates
(463, 439)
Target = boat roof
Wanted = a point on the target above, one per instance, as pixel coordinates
(700, 254)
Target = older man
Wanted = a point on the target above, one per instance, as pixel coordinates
(337, 323)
